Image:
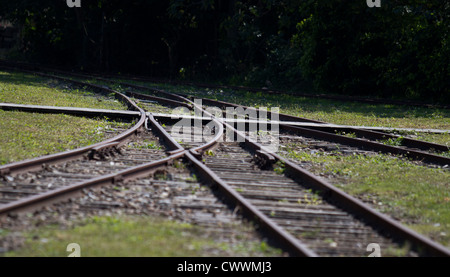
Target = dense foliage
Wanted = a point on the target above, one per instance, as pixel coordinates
(399, 50)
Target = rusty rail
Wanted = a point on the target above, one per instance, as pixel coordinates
(350, 203)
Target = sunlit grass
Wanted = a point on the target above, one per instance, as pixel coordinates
(331, 111)
(417, 195)
(436, 138)
(20, 88)
(29, 135)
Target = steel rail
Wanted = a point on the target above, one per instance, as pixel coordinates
(177, 152)
(213, 142)
(168, 94)
(68, 191)
(377, 219)
(374, 133)
(36, 163)
(169, 102)
(362, 133)
(368, 134)
(356, 142)
(61, 194)
(365, 132)
(317, 134)
(356, 206)
(193, 155)
(120, 96)
(418, 155)
(56, 195)
(86, 112)
(370, 145)
(350, 202)
(167, 138)
(173, 96)
(294, 246)
(306, 95)
(402, 233)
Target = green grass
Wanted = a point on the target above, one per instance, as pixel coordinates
(135, 237)
(279, 167)
(146, 145)
(20, 88)
(393, 142)
(29, 135)
(441, 138)
(338, 112)
(331, 111)
(436, 138)
(417, 195)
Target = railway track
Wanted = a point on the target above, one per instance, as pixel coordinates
(362, 138)
(307, 215)
(321, 226)
(142, 148)
(228, 168)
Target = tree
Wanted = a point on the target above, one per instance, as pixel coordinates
(396, 50)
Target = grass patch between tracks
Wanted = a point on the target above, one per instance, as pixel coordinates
(135, 237)
(29, 135)
(416, 195)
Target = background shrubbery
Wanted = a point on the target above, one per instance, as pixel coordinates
(401, 50)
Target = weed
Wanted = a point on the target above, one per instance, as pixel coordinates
(311, 199)
(179, 164)
(28, 135)
(192, 179)
(409, 191)
(350, 135)
(393, 142)
(195, 188)
(279, 167)
(136, 237)
(152, 145)
(337, 112)
(161, 175)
